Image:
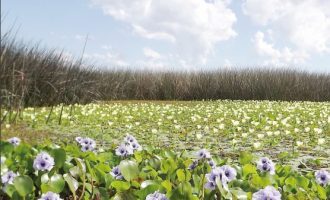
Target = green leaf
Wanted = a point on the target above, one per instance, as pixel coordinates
(146, 183)
(322, 192)
(23, 185)
(302, 182)
(72, 183)
(59, 157)
(10, 189)
(291, 181)
(56, 183)
(120, 185)
(129, 169)
(183, 175)
(167, 185)
(239, 194)
(249, 169)
(226, 194)
(147, 190)
(245, 157)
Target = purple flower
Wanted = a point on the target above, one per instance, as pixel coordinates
(124, 150)
(322, 177)
(210, 185)
(203, 153)
(50, 196)
(225, 174)
(193, 165)
(268, 193)
(229, 172)
(14, 141)
(115, 173)
(8, 177)
(87, 144)
(156, 196)
(78, 139)
(212, 164)
(216, 173)
(43, 162)
(266, 165)
(130, 139)
(136, 146)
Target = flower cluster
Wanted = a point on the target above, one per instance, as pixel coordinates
(50, 196)
(128, 147)
(156, 196)
(266, 165)
(322, 177)
(43, 162)
(268, 192)
(115, 173)
(14, 141)
(225, 174)
(8, 177)
(202, 155)
(87, 144)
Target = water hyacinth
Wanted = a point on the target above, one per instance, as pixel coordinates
(124, 150)
(8, 177)
(322, 177)
(203, 154)
(130, 139)
(193, 165)
(212, 163)
(136, 146)
(43, 162)
(266, 165)
(115, 173)
(128, 147)
(87, 144)
(50, 196)
(230, 172)
(225, 174)
(268, 192)
(14, 141)
(156, 196)
(78, 139)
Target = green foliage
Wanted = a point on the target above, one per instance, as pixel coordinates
(88, 175)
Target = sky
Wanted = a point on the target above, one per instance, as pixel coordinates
(178, 34)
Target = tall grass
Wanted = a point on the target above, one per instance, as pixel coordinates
(34, 76)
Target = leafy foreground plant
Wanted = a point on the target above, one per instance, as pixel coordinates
(82, 171)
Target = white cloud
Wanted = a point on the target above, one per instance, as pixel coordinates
(193, 26)
(150, 53)
(275, 56)
(109, 58)
(228, 64)
(304, 23)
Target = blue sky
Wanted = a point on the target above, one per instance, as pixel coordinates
(179, 35)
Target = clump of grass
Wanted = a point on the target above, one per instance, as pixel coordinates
(34, 76)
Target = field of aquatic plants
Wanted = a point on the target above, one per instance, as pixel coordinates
(167, 150)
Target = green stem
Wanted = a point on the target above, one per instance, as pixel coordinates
(201, 191)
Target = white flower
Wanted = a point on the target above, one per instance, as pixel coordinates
(321, 141)
(260, 136)
(299, 143)
(154, 131)
(257, 145)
